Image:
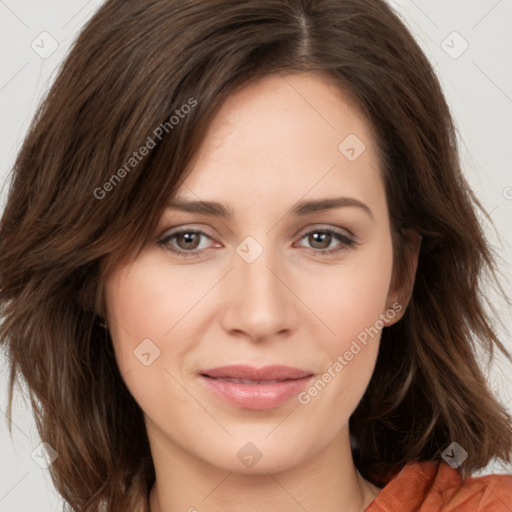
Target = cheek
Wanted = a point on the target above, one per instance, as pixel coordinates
(142, 308)
(156, 317)
(352, 303)
(150, 299)
(353, 296)
(135, 320)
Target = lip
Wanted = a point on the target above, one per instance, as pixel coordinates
(245, 371)
(258, 396)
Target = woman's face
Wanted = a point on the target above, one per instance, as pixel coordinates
(255, 288)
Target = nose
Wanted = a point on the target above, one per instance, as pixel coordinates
(260, 302)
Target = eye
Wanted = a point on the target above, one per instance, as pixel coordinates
(321, 239)
(187, 240)
(186, 243)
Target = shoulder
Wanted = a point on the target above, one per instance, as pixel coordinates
(490, 493)
(436, 487)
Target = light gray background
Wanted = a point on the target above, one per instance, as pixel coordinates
(477, 83)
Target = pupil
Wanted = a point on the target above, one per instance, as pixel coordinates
(189, 240)
(322, 237)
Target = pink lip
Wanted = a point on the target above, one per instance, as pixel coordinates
(244, 371)
(256, 396)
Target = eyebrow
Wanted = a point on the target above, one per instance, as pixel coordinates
(301, 209)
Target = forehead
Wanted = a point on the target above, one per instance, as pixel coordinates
(291, 135)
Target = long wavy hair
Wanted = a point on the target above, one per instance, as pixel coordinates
(79, 202)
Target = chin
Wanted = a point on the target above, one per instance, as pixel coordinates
(253, 457)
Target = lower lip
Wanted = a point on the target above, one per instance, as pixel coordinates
(256, 396)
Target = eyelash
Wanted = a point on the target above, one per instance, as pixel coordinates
(346, 241)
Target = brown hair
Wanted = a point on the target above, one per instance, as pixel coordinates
(68, 220)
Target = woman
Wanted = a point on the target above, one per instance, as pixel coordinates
(241, 268)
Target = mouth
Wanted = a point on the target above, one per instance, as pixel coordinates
(255, 388)
(246, 381)
(251, 374)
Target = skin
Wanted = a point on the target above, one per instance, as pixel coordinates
(271, 145)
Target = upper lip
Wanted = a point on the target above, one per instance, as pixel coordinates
(243, 371)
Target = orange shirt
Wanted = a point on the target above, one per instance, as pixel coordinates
(436, 487)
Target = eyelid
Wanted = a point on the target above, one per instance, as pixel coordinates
(327, 227)
(173, 231)
(185, 228)
(345, 242)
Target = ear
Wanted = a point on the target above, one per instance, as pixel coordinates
(402, 282)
